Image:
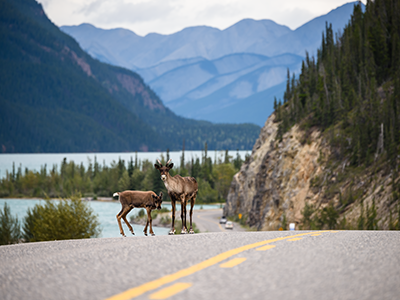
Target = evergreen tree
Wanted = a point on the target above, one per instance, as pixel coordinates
(9, 227)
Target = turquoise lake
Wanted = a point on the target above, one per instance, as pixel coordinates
(106, 211)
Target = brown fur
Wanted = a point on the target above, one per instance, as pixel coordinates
(130, 199)
(180, 189)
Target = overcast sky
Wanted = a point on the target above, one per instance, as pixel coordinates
(169, 16)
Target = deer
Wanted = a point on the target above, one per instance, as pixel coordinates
(130, 199)
(180, 189)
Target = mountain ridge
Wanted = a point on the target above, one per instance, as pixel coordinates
(57, 98)
(203, 44)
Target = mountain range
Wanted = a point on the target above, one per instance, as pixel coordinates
(57, 98)
(229, 76)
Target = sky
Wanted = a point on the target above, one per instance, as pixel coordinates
(170, 16)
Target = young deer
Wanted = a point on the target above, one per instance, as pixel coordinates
(131, 199)
(180, 189)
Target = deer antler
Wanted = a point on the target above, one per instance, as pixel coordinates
(159, 162)
(168, 161)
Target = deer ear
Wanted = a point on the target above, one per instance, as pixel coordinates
(171, 165)
(161, 194)
(157, 166)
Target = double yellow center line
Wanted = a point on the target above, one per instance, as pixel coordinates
(155, 284)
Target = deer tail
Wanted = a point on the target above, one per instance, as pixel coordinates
(115, 194)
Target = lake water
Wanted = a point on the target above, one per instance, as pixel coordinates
(35, 161)
(106, 211)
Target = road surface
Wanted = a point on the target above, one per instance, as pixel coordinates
(207, 220)
(223, 265)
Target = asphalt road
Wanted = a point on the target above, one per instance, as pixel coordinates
(207, 220)
(225, 265)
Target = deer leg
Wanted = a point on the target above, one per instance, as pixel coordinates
(119, 223)
(183, 213)
(147, 223)
(119, 216)
(150, 219)
(192, 201)
(172, 231)
(126, 221)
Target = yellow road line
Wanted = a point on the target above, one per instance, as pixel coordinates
(170, 291)
(266, 248)
(295, 239)
(233, 262)
(155, 284)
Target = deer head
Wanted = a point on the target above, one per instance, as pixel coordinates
(164, 169)
(157, 200)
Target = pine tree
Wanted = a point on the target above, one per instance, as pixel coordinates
(10, 232)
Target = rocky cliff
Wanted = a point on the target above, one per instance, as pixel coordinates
(282, 177)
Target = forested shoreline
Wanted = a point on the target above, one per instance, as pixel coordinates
(101, 180)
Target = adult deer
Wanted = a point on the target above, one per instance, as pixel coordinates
(180, 189)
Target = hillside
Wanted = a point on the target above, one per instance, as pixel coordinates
(328, 157)
(57, 98)
(227, 70)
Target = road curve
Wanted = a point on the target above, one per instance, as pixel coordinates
(207, 220)
(225, 265)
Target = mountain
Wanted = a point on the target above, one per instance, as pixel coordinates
(133, 51)
(56, 98)
(328, 157)
(229, 93)
(182, 67)
(308, 36)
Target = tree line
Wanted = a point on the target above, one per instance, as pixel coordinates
(100, 180)
(351, 93)
(352, 89)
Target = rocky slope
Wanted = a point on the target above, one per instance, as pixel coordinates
(281, 177)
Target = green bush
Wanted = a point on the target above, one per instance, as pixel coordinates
(178, 226)
(63, 220)
(10, 231)
(206, 193)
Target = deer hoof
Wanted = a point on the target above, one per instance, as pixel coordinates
(152, 234)
(184, 231)
(172, 232)
(145, 233)
(191, 231)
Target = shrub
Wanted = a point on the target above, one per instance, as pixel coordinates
(10, 231)
(63, 220)
(307, 212)
(206, 193)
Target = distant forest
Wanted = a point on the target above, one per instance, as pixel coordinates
(97, 180)
(56, 98)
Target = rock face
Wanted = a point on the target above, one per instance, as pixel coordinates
(273, 185)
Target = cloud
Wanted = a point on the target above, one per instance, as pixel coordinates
(113, 12)
(169, 16)
(220, 14)
(294, 17)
